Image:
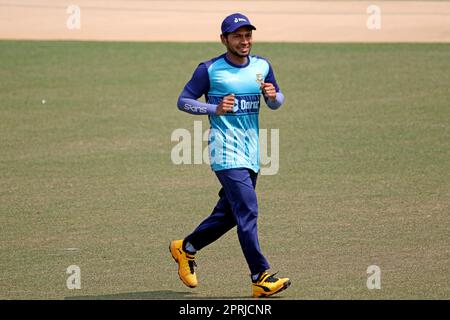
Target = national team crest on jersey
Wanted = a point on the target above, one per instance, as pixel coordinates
(259, 78)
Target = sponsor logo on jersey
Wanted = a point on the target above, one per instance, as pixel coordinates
(229, 79)
(195, 108)
(242, 104)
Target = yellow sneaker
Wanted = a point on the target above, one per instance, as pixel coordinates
(267, 285)
(186, 263)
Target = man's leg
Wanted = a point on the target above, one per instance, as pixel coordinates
(183, 251)
(239, 187)
(214, 226)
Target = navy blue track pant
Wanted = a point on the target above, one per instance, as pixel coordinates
(237, 206)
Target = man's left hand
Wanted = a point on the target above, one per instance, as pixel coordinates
(269, 91)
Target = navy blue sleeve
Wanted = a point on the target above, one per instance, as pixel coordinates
(279, 100)
(270, 78)
(199, 83)
(194, 89)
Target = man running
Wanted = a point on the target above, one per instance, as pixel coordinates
(232, 85)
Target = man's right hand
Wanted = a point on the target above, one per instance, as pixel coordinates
(226, 105)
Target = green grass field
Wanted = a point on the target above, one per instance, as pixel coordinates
(87, 179)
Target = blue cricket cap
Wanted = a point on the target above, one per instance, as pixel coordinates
(235, 21)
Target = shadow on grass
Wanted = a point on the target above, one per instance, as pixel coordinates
(152, 295)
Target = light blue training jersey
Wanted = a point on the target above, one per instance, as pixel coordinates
(234, 136)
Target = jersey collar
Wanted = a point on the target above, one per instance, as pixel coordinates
(236, 65)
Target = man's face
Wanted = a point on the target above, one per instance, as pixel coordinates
(239, 42)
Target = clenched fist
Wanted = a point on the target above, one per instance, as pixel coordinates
(226, 105)
(269, 91)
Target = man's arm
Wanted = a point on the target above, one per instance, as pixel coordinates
(272, 95)
(190, 105)
(194, 89)
(273, 99)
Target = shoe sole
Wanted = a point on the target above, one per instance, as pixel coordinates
(284, 287)
(176, 260)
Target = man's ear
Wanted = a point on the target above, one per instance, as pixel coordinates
(223, 39)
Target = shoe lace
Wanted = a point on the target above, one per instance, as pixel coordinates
(192, 264)
(272, 278)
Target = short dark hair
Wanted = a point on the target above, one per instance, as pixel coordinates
(226, 34)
